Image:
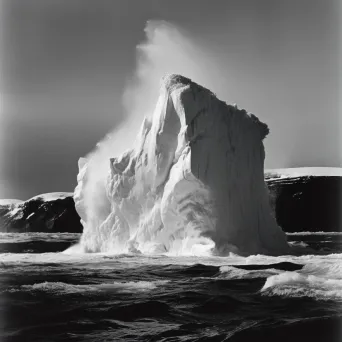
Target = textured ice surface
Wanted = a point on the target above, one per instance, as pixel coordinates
(193, 182)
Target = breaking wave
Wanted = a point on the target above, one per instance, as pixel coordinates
(321, 281)
(117, 287)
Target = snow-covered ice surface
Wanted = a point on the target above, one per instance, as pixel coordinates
(51, 196)
(193, 183)
(5, 202)
(305, 172)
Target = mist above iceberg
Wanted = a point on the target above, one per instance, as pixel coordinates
(193, 182)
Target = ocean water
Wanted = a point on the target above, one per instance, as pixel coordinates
(50, 295)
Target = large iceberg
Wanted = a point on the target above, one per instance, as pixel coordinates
(192, 183)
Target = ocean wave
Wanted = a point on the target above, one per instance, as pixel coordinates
(231, 272)
(298, 244)
(300, 292)
(30, 237)
(256, 271)
(19, 259)
(295, 284)
(65, 288)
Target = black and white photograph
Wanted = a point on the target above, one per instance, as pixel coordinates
(171, 170)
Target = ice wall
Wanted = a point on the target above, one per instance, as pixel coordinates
(193, 182)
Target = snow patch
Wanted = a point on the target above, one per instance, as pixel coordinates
(304, 172)
(9, 202)
(314, 233)
(52, 196)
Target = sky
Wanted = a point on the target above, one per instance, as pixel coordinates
(72, 71)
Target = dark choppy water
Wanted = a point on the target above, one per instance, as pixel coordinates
(50, 296)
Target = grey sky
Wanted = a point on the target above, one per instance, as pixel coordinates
(65, 65)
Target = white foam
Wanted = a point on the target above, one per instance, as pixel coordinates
(320, 278)
(317, 279)
(64, 288)
(93, 258)
(298, 244)
(229, 272)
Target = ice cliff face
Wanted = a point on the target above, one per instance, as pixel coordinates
(193, 181)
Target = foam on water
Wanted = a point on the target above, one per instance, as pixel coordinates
(321, 279)
(64, 288)
(29, 237)
(230, 272)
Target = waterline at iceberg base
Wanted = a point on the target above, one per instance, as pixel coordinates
(193, 183)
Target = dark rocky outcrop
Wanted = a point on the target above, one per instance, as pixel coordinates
(307, 203)
(49, 213)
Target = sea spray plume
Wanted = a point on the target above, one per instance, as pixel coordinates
(167, 49)
(192, 182)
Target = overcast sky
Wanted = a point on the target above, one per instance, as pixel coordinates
(65, 65)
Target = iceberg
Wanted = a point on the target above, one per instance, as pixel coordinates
(193, 182)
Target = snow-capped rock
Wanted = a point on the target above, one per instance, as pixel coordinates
(194, 179)
(8, 202)
(50, 213)
(306, 199)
